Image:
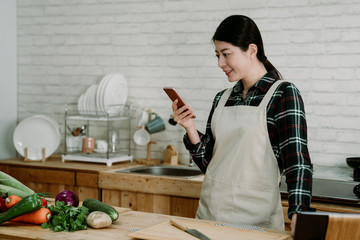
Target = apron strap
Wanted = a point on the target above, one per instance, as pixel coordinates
(224, 97)
(269, 94)
(264, 101)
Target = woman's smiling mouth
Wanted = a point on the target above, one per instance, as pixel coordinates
(228, 72)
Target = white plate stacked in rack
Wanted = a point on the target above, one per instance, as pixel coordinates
(100, 99)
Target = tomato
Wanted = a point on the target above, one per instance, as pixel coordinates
(44, 203)
(2, 205)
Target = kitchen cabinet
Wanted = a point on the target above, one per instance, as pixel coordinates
(165, 195)
(178, 196)
(53, 176)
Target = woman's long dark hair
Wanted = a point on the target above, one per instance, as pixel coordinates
(241, 31)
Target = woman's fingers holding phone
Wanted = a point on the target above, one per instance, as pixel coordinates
(174, 105)
(183, 115)
(185, 111)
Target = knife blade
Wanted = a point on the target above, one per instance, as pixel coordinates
(193, 232)
(197, 234)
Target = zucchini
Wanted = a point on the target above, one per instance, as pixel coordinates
(28, 204)
(96, 205)
(8, 180)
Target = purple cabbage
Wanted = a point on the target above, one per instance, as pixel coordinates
(69, 197)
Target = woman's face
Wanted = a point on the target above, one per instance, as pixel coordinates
(232, 60)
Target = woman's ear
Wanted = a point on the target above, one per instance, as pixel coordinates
(252, 50)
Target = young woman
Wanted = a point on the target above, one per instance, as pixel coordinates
(256, 130)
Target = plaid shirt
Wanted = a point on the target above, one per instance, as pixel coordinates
(287, 129)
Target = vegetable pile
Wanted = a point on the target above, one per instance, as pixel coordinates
(18, 203)
(66, 217)
(28, 204)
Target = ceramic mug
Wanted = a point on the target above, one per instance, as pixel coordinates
(155, 125)
(88, 144)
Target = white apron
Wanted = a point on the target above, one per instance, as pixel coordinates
(241, 184)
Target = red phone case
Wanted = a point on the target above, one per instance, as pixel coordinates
(173, 95)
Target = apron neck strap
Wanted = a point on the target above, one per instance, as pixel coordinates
(264, 101)
(269, 94)
(225, 97)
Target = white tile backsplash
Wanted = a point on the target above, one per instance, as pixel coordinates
(65, 46)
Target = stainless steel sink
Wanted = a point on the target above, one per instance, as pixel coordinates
(164, 170)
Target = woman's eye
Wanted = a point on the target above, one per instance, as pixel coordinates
(226, 54)
(217, 56)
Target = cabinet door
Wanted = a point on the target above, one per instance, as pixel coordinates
(44, 180)
(87, 186)
(154, 203)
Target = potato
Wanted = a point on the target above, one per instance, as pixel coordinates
(98, 219)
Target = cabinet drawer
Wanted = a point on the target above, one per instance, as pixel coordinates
(4, 168)
(42, 175)
(87, 179)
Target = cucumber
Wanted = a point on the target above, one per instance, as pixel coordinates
(96, 205)
(28, 204)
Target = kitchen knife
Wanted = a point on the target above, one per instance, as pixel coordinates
(193, 232)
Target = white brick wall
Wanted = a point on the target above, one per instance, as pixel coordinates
(64, 46)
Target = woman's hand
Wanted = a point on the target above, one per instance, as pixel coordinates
(184, 115)
(293, 223)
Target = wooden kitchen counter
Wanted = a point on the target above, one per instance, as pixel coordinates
(166, 185)
(159, 194)
(120, 229)
(54, 176)
(54, 162)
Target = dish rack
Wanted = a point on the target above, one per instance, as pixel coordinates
(100, 123)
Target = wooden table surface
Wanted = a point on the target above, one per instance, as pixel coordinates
(120, 229)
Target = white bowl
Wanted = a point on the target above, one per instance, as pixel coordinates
(100, 150)
(141, 137)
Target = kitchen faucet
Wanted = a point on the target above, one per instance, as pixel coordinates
(191, 162)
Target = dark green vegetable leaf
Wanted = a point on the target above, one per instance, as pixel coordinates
(66, 218)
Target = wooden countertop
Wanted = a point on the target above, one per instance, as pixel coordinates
(120, 229)
(54, 162)
(173, 186)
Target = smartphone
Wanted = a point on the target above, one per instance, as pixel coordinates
(173, 95)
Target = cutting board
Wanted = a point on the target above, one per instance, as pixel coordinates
(166, 231)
